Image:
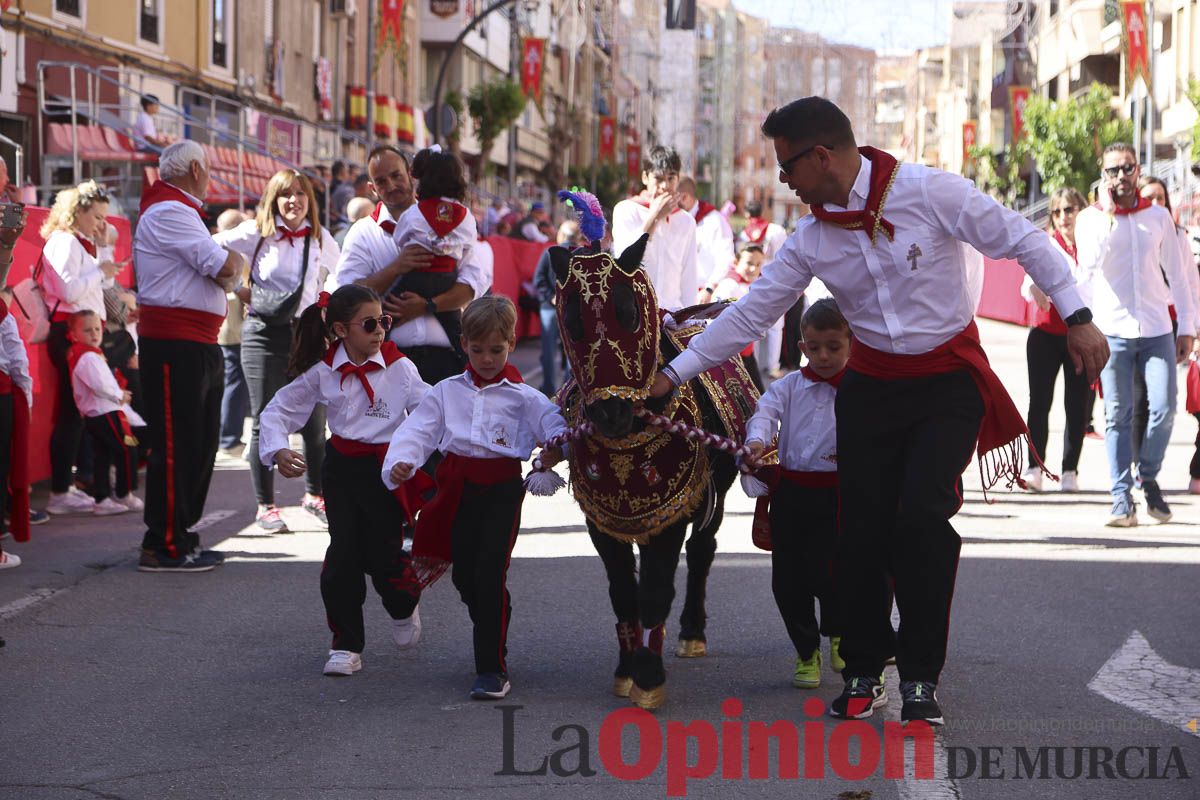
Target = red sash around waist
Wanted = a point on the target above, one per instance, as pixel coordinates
(442, 264)
(431, 542)
(1002, 432)
(411, 493)
(773, 476)
(187, 324)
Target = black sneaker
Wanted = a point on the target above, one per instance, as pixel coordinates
(155, 562)
(215, 555)
(920, 702)
(859, 699)
(1155, 505)
(490, 686)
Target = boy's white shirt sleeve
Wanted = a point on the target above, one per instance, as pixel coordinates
(93, 373)
(287, 412)
(417, 437)
(16, 357)
(764, 424)
(545, 417)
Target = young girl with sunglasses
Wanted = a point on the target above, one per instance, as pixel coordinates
(369, 388)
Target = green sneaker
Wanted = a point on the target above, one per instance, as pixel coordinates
(835, 658)
(808, 671)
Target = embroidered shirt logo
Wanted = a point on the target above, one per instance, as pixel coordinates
(379, 409)
(500, 436)
(914, 252)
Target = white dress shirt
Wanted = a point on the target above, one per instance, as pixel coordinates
(176, 260)
(368, 248)
(500, 420)
(1191, 270)
(1122, 258)
(96, 389)
(714, 245)
(890, 305)
(670, 259)
(771, 243)
(14, 359)
(144, 126)
(278, 265)
(413, 228)
(398, 389)
(801, 412)
(73, 280)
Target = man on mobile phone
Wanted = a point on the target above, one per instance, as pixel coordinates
(1126, 245)
(8, 190)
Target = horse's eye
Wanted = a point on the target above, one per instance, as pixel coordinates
(573, 317)
(628, 315)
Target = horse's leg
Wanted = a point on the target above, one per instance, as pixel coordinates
(701, 548)
(656, 590)
(622, 593)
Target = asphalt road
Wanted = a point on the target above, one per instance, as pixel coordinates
(1066, 636)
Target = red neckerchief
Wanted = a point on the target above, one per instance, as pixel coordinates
(884, 169)
(88, 244)
(161, 192)
(77, 352)
(443, 216)
(644, 202)
(388, 226)
(3, 310)
(391, 354)
(810, 373)
(510, 372)
(704, 210)
(289, 235)
(756, 229)
(1141, 205)
(1069, 249)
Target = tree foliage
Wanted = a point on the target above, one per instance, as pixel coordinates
(1193, 94)
(609, 185)
(494, 106)
(1066, 138)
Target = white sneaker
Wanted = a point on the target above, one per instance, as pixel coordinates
(132, 502)
(108, 506)
(9, 560)
(1033, 479)
(407, 632)
(1069, 482)
(343, 662)
(70, 503)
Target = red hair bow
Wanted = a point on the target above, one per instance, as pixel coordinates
(323, 300)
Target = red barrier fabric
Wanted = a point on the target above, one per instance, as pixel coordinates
(1001, 299)
(515, 262)
(45, 388)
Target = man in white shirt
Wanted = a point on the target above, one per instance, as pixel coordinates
(146, 130)
(670, 259)
(714, 238)
(1125, 246)
(917, 397)
(369, 257)
(182, 276)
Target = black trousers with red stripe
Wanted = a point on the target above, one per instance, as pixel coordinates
(366, 537)
(482, 539)
(109, 450)
(804, 533)
(902, 449)
(182, 382)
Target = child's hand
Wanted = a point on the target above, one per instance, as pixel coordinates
(126, 397)
(756, 452)
(290, 463)
(401, 472)
(551, 456)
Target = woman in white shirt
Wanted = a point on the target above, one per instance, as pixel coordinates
(72, 279)
(290, 257)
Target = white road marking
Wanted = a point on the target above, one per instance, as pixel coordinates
(33, 598)
(1139, 678)
(940, 787)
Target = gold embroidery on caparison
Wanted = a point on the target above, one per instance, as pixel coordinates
(622, 465)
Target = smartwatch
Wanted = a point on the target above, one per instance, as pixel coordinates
(1081, 317)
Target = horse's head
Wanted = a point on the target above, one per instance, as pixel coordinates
(608, 317)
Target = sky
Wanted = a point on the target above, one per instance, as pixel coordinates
(877, 24)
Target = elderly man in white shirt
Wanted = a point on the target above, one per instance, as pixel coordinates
(182, 277)
(1125, 246)
(369, 257)
(918, 396)
(670, 260)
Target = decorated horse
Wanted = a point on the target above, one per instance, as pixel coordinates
(642, 470)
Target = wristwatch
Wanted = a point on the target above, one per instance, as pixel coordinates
(431, 306)
(1081, 317)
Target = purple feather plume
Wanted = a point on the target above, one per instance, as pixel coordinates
(591, 215)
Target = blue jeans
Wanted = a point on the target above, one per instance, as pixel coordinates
(550, 350)
(1154, 359)
(235, 402)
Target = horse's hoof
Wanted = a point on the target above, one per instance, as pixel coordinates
(622, 686)
(691, 648)
(649, 699)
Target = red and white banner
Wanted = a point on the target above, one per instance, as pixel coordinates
(969, 134)
(1018, 96)
(1135, 42)
(5, 4)
(324, 81)
(608, 138)
(633, 159)
(533, 57)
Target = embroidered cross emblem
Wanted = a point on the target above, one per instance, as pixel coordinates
(914, 253)
(627, 637)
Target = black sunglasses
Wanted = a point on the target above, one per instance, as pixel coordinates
(786, 166)
(1123, 169)
(1063, 211)
(371, 323)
